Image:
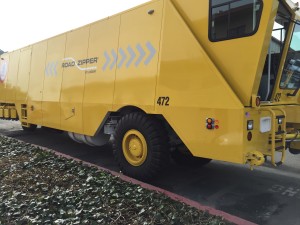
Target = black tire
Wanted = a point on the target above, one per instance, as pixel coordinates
(156, 140)
(186, 160)
(294, 151)
(31, 128)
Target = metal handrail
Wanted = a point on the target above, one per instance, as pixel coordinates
(273, 135)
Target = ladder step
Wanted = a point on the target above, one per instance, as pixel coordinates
(276, 141)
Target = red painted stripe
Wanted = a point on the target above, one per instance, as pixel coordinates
(210, 210)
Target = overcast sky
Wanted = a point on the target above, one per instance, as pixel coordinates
(24, 22)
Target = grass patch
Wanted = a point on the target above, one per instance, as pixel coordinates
(38, 187)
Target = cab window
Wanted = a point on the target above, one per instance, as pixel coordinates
(231, 19)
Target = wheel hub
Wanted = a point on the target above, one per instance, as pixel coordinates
(135, 148)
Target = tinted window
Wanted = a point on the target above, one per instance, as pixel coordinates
(291, 73)
(234, 18)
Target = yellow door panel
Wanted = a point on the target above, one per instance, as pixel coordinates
(52, 81)
(138, 56)
(36, 81)
(12, 76)
(51, 114)
(99, 82)
(73, 79)
(23, 75)
(4, 65)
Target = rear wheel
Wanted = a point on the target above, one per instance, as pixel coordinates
(30, 128)
(141, 146)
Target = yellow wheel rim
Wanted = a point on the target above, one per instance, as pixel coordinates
(135, 148)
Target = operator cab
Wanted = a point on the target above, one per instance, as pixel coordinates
(281, 73)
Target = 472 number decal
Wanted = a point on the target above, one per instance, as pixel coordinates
(163, 101)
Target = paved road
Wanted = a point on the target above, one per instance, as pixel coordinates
(267, 195)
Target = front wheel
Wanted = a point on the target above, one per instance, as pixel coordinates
(294, 151)
(294, 148)
(141, 146)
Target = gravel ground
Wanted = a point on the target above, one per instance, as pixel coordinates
(38, 187)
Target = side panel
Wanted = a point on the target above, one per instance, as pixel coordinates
(23, 75)
(73, 80)
(197, 91)
(293, 113)
(52, 82)
(239, 60)
(137, 64)
(35, 91)
(99, 82)
(12, 76)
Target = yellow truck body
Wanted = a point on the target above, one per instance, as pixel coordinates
(194, 69)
